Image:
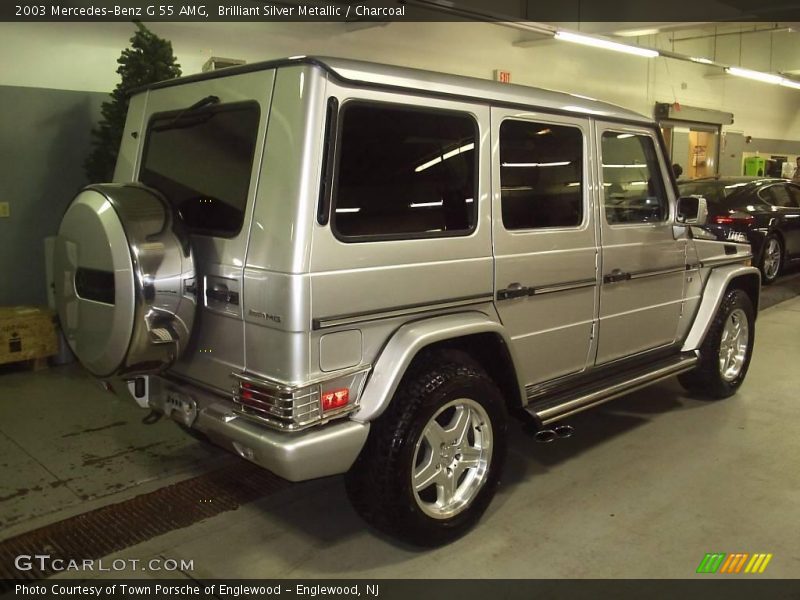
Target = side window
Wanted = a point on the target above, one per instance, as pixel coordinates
(201, 161)
(778, 195)
(404, 173)
(632, 184)
(794, 193)
(541, 175)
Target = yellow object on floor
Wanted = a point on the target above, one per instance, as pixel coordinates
(26, 333)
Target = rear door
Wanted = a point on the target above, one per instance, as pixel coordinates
(545, 242)
(643, 264)
(786, 199)
(202, 149)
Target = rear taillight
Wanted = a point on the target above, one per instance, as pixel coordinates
(334, 399)
(736, 218)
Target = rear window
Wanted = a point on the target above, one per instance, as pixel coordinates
(713, 191)
(201, 161)
(404, 173)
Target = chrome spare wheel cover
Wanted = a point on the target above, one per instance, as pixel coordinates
(733, 345)
(124, 280)
(772, 258)
(452, 459)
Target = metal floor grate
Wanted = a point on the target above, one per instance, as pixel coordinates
(100, 532)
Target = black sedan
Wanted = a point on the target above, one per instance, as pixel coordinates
(763, 211)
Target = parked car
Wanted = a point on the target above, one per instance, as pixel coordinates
(328, 266)
(763, 211)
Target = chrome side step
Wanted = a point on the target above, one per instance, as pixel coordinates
(565, 404)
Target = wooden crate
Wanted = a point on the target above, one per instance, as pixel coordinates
(27, 333)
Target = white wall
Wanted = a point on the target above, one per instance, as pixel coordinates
(82, 56)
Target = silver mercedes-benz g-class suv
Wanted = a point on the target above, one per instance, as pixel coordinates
(329, 266)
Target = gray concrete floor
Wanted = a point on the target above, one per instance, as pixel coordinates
(67, 446)
(648, 484)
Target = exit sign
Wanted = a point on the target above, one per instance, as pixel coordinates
(502, 76)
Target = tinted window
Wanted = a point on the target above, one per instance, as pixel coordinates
(778, 195)
(632, 184)
(794, 192)
(201, 161)
(541, 175)
(404, 173)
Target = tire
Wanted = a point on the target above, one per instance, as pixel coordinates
(725, 354)
(771, 262)
(442, 394)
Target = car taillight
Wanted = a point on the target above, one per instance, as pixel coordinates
(335, 399)
(734, 219)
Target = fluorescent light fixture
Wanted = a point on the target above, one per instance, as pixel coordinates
(426, 204)
(605, 44)
(348, 210)
(701, 60)
(756, 75)
(550, 164)
(451, 154)
(791, 83)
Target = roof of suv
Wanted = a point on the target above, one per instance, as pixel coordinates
(730, 179)
(364, 73)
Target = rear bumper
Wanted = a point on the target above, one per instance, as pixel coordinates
(317, 452)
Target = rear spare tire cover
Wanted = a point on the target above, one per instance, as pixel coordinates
(124, 280)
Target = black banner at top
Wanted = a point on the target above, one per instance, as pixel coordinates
(402, 10)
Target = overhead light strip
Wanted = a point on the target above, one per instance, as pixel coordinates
(762, 77)
(597, 42)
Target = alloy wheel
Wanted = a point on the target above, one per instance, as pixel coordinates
(733, 345)
(452, 458)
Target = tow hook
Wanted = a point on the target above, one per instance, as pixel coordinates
(545, 436)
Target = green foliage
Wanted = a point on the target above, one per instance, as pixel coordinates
(148, 60)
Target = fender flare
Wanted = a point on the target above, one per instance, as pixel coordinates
(718, 282)
(404, 345)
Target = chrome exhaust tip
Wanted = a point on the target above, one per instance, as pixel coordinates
(564, 431)
(545, 436)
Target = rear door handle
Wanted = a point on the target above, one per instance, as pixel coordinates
(615, 276)
(514, 290)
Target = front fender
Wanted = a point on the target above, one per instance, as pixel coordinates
(404, 345)
(714, 291)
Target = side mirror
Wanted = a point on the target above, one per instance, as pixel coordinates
(692, 210)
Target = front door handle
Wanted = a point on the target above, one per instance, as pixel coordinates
(615, 276)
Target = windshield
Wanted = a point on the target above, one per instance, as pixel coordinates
(201, 160)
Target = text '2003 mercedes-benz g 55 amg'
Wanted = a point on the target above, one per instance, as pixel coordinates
(329, 266)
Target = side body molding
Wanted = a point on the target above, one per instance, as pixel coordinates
(718, 281)
(404, 345)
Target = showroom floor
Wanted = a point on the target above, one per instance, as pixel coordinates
(646, 487)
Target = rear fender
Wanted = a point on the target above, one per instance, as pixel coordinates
(408, 341)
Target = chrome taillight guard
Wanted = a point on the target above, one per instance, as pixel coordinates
(295, 407)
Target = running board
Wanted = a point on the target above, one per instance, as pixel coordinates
(568, 403)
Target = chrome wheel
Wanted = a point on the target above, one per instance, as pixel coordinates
(733, 345)
(452, 458)
(772, 258)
